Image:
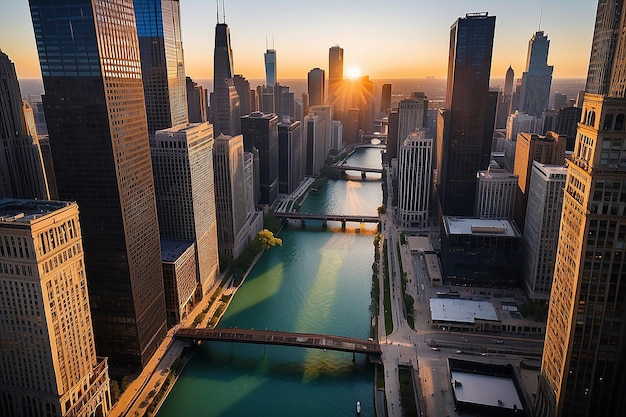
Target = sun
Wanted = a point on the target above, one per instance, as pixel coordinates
(353, 72)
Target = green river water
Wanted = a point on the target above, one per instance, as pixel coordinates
(318, 281)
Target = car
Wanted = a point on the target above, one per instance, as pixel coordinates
(459, 351)
(436, 349)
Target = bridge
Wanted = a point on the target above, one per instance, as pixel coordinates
(270, 337)
(355, 168)
(325, 218)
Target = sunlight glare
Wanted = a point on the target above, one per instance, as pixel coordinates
(353, 72)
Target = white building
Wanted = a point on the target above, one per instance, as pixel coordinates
(317, 138)
(541, 228)
(495, 194)
(522, 122)
(414, 180)
(48, 362)
(182, 162)
(411, 115)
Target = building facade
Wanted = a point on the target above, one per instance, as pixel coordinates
(182, 157)
(415, 180)
(537, 79)
(411, 116)
(179, 278)
(197, 104)
(260, 131)
(22, 173)
(105, 166)
(541, 228)
(290, 168)
(225, 101)
(162, 62)
(48, 365)
(468, 131)
(316, 83)
(317, 138)
(583, 370)
(495, 195)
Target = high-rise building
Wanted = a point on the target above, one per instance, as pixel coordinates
(162, 62)
(545, 149)
(603, 46)
(559, 100)
(316, 137)
(508, 81)
(22, 173)
(316, 87)
(179, 277)
(105, 166)
(385, 98)
(270, 68)
(496, 193)
(411, 116)
(289, 156)
(414, 180)
(504, 100)
(336, 135)
(49, 365)
(182, 159)
(229, 192)
(243, 91)
(583, 370)
(335, 81)
(225, 102)
(565, 124)
(391, 148)
(541, 228)
(618, 72)
(260, 131)
(196, 102)
(537, 79)
(466, 137)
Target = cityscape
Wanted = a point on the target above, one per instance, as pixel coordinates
(423, 241)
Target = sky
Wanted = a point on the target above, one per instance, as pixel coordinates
(382, 39)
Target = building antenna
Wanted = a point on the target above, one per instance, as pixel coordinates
(540, 16)
(217, 10)
(272, 41)
(224, 10)
(266, 47)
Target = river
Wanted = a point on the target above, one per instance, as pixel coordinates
(318, 281)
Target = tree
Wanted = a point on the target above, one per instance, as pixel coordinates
(115, 390)
(265, 239)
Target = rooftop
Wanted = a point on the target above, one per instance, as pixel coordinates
(172, 249)
(481, 227)
(492, 391)
(25, 211)
(461, 311)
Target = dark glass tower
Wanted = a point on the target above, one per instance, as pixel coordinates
(537, 79)
(466, 144)
(260, 131)
(94, 104)
(162, 64)
(603, 46)
(21, 165)
(225, 101)
(270, 68)
(316, 82)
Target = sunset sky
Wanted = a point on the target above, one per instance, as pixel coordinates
(384, 39)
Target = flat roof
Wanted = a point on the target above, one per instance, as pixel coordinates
(480, 227)
(461, 311)
(419, 243)
(25, 211)
(486, 390)
(172, 249)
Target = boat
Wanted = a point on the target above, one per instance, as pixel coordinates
(358, 408)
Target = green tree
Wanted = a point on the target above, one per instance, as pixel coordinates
(265, 239)
(125, 383)
(382, 209)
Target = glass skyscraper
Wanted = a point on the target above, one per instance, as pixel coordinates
(464, 142)
(162, 63)
(537, 79)
(225, 101)
(94, 105)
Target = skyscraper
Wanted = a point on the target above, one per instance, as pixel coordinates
(196, 102)
(316, 137)
(243, 91)
(537, 79)
(465, 138)
(182, 158)
(316, 82)
(22, 172)
(289, 156)
(260, 131)
(583, 370)
(541, 228)
(270, 68)
(335, 80)
(415, 179)
(225, 102)
(162, 62)
(105, 166)
(603, 46)
(385, 98)
(49, 365)
(411, 115)
(495, 193)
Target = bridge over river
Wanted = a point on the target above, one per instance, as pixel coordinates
(270, 337)
(343, 218)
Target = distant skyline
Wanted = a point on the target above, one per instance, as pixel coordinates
(398, 39)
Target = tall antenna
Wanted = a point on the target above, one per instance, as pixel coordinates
(224, 10)
(540, 16)
(266, 48)
(272, 41)
(217, 10)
